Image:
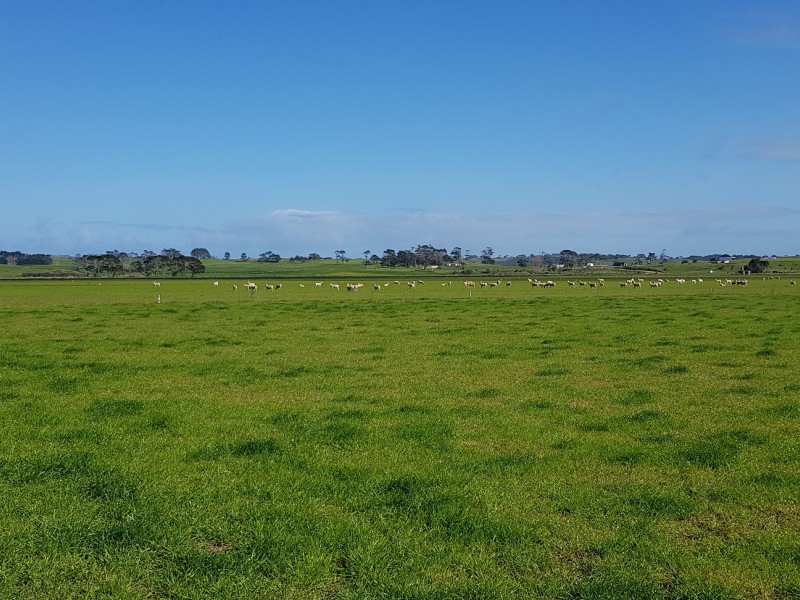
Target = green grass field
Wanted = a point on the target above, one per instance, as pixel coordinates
(353, 268)
(402, 443)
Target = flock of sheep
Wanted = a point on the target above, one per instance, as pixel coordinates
(635, 282)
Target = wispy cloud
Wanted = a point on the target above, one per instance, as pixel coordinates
(773, 148)
(698, 230)
(303, 214)
(145, 226)
(756, 228)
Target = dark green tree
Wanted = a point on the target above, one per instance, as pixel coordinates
(200, 253)
(101, 264)
(389, 258)
(269, 256)
(568, 258)
(757, 265)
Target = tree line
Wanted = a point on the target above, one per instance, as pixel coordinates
(15, 257)
(114, 264)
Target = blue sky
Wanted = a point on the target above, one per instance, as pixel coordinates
(303, 126)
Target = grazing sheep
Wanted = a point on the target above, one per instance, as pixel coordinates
(302, 285)
(376, 287)
(235, 287)
(216, 284)
(318, 284)
(156, 284)
(334, 286)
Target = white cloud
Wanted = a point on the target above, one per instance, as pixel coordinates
(302, 214)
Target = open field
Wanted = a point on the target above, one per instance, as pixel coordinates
(354, 268)
(415, 443)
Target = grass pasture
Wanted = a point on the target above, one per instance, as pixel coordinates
(402, 443)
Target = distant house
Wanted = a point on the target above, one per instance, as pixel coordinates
(619, 263)
(725, 259)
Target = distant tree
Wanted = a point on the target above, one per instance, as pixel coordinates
(314, 256)
(193, 265)
(20, 258)
(428, 255)
(269, 256)
(486, 256)
(243, 257)
(568, 258)
(374, 258)
(153, 264)
(341, 255)
(171, 253)
(406, 258)
(522, 261)
(455, 253)
(389, 258)
(366, 254)
(227, 256)
(757, 265)
(100, 264)
(200, 253)
(651, 256)
(146, 253)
